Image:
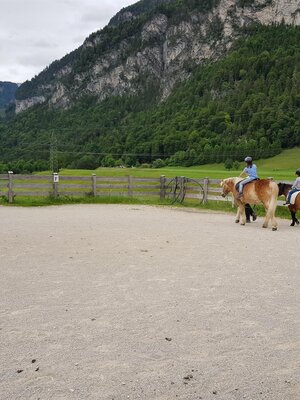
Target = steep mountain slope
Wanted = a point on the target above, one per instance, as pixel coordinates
(153, 45)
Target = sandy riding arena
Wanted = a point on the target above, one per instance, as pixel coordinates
(134, 302)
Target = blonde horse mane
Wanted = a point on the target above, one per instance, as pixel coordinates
(234, 180)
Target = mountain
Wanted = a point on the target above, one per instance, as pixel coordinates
(186, 81)
(7, 93)
(152, 44)
(135, 10)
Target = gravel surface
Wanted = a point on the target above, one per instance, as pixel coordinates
(134, 302)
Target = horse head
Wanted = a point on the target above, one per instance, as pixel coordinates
(283, 189)
(226, 185)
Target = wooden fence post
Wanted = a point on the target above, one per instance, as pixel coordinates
(162, 187)
(205, 187)
(130, 189)
(94, 185)
(55, 184)
(10, 194)
(182, 186)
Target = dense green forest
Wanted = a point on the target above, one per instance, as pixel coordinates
(246, 103)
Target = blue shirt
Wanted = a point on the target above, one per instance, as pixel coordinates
(251, 171)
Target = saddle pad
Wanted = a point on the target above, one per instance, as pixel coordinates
(293, 198)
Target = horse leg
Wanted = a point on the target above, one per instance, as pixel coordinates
(274, 223)
(271, 208)
(293, 215)
(248, 211)
(242, 214)
(294, 218)
(237, 217)
(267, 218)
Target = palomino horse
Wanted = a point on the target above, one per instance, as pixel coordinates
(284, 188)
(263, 191)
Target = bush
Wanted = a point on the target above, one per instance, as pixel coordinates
(228, 163)
(108, 161)
(159, 163)
(146, 165)
(87, 162)
(236, 165)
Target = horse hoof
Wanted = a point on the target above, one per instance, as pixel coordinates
(243, 224)
(264, 226)
(274, 229)
(237, 221)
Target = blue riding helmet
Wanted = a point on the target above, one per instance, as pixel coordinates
(248, 159)
(298, 171)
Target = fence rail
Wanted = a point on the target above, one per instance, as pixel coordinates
(201, 190)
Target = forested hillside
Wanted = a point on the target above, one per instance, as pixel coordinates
(247, 103)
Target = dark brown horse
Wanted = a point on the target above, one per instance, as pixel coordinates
(284, 188)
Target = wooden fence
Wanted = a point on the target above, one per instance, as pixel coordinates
(197, 190)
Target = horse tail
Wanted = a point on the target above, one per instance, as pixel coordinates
(272, 204)
(274, 194)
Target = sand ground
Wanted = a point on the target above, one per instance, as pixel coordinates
(134, 302)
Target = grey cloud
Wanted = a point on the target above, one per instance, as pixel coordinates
(33, 33)
(44, 44)
(34, 59)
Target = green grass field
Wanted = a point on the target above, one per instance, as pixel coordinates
(281, 167)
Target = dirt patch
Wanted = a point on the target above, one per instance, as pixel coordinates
(116, 302)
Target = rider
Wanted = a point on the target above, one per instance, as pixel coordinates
(295, 188)
(251, 171)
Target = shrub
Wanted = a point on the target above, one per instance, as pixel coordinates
(228, 163)
(236, 165)
(159, 163)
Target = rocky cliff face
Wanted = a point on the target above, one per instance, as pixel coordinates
(161, 52)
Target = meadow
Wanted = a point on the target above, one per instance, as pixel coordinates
(280, 167)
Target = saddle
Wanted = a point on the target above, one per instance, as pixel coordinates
(293, 197)
(237, 185)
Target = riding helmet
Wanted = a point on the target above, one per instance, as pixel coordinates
(298, 171)
(248, 159)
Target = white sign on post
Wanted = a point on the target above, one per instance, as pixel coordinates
(55, 178)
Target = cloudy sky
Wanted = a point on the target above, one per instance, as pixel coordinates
(33, 33)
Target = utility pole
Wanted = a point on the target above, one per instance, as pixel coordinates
(53, 153)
